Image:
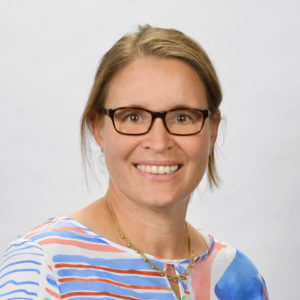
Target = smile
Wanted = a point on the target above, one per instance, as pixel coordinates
(158, 169)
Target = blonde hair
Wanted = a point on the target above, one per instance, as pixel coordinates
(158, 42)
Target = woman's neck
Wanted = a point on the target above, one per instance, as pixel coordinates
(160, 231)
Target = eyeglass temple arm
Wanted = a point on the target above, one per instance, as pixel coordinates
(108, 112)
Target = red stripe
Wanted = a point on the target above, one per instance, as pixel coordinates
(79, 266)
(96, 294)
(104, 248)
(52, 293)
(77, 230)
(265, 294)
(130, 286)
(47, 223)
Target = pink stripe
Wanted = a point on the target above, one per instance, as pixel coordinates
(104, 248)
(78, 230)
(201, 274)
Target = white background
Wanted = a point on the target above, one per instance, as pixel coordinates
(49, 51)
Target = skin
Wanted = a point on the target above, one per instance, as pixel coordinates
(151, 209)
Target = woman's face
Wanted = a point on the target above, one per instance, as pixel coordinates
(158, 85)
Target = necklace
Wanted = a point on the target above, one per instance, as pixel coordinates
(170, 277)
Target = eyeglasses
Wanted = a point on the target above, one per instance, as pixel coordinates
(138, 121)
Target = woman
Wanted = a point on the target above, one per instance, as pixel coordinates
(154, 112)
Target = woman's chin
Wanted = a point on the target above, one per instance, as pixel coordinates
(161, 202)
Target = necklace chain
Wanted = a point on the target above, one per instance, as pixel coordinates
(129, 244)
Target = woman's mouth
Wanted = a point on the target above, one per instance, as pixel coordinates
(160, 170)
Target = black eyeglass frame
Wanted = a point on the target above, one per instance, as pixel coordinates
(161, 114)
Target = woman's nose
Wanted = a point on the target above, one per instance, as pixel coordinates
(158, 138)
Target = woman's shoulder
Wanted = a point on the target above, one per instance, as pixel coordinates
(56, 227)
(40, 240)
(223, 255)
(28, 263)
(58, 237)
(233, 274)
(25, 268)
(56, 233)
(38, 235)
(231, 258)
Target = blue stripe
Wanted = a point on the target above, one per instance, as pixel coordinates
(127, 279)
(31, 246)
(120, 264)
(18, 283)
(69, 235)
(19, 291)
(51, 280)
(16, 244)
(184, 285)
(21, 262)
(20, 298)
(179, 268)
(18, 254)
(20, 270)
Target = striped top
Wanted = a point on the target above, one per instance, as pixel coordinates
(62, 259)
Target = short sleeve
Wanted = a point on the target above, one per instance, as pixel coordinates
(241, 280)
(25, 273)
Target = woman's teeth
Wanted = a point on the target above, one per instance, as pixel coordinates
(158, 169)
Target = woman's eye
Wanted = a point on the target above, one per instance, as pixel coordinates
(133, 118)
(130, 116)
(182, 118)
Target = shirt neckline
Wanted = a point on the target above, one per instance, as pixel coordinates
(180, 261)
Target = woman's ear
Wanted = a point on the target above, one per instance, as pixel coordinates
(97, 127)
(215, 122)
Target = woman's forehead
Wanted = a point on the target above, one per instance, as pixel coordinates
(153, 82)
